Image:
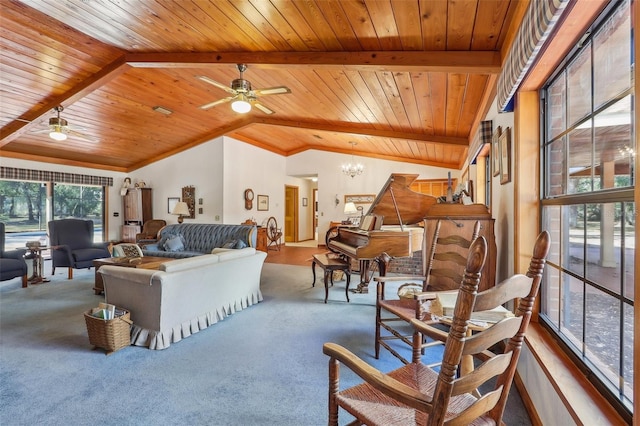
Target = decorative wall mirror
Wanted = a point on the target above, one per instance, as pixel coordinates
(189, 197)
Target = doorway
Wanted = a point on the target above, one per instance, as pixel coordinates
(315, 214)
(290, 214)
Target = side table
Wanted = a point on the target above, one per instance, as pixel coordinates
(35, 254)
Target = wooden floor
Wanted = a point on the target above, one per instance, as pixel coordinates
(288, 255)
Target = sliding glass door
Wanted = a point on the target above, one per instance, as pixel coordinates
(27, 207)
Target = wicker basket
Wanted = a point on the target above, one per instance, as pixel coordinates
(110, 335)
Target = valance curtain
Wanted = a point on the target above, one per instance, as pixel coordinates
(539, 21)
(483, 135)
(49, 176)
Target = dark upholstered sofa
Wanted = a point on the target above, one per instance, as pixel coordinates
(12, 263)
(184, 240)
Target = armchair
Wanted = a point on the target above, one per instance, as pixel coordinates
(72, 245)
(150, 230)
(12, 263)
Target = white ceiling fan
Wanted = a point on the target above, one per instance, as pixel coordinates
(243, 96)
(59, 129)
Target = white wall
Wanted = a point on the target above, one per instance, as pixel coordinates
(502, 207)
(246, 166)
(546, 400)
(333, 184)
(223, 168)
(202, 167)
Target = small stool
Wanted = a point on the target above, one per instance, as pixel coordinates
(329, 265)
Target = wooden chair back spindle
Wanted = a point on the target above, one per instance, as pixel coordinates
(415, 393)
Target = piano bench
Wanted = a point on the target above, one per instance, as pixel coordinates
(328, 265)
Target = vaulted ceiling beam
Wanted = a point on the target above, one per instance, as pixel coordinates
(487, 62)
(358, 130)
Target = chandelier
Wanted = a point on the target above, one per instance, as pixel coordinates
(352, 169)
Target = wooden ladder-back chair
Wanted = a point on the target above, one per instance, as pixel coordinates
(415, 394)
(444, 266)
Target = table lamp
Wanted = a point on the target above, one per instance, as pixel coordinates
(181, 209)
(350, 210)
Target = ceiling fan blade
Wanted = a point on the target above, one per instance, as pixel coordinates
(218, 102)
(82, 136)
(218, 85)
(74, 126)
(263, 108)
(280, 90)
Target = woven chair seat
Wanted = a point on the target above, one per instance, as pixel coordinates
(375, 408)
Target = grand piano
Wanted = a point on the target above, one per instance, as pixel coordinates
(389, 229)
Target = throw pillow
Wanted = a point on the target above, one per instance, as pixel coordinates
(230, 244)
(163, 241)
(130, 250)
(174, 244)
(240, 244)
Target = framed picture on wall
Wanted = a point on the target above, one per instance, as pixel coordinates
(495, 151)
(263, 203)
(171, 203)
(505, 156)
(359, 198)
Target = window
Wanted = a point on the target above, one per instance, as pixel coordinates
(589, 152)
(23, 208)
(23, 201)
(80, 202)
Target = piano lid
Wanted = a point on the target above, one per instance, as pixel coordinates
(396, 193)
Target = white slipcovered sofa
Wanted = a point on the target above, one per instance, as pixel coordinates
(185, 295)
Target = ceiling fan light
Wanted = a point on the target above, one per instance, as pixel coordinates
(58, 135)
(241, 105)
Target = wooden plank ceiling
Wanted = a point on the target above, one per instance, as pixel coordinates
(407, 80)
